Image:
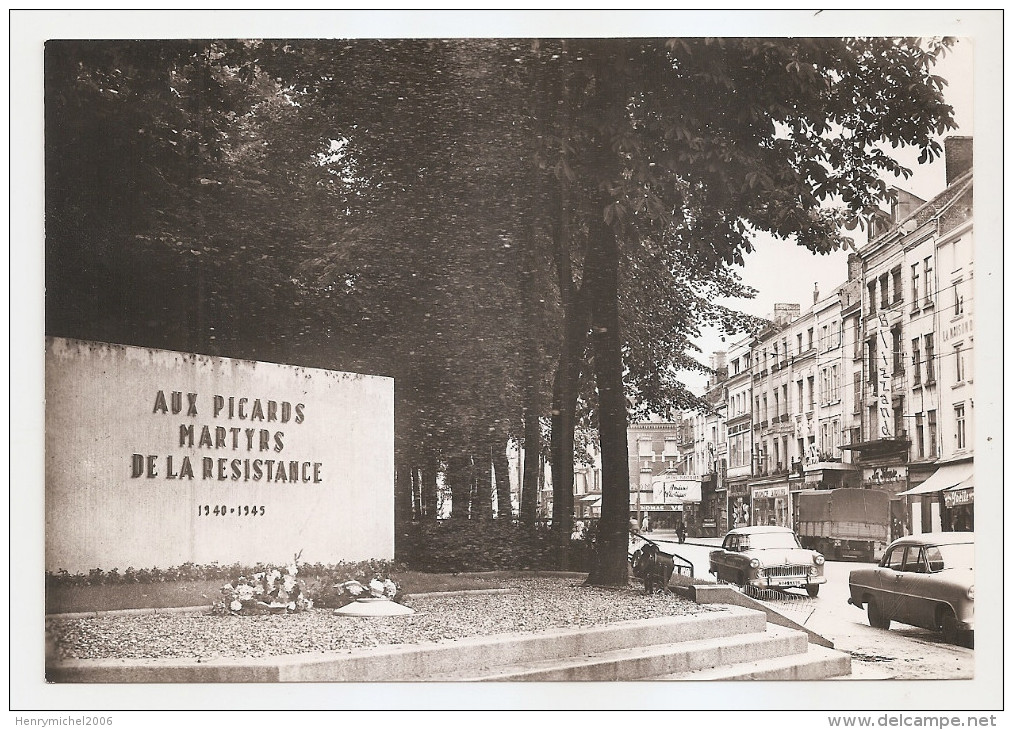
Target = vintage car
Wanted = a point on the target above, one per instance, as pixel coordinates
(767, 557)
(923, 580)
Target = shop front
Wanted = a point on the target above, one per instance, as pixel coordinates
(958, 504)
(739, 513)
(713, 503)
(675, 499)
(926, 503)
(770, 504)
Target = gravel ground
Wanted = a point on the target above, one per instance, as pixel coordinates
(535, 604)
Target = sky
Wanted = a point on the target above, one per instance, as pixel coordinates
(782, 271)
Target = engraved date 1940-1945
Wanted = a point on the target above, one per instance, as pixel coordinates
(222, 510)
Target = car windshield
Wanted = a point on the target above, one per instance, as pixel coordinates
(960, 555)
(770, 541)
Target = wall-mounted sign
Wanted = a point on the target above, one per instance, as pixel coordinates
(880, 475)
(884, 379)
(770, 492)
(676, 488)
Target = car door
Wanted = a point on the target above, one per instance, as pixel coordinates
(898, 585)
(730, 545)
(920, 607)
(884, 581)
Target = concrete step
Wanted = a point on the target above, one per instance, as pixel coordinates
(816, 663)
(419, 662)
(472, 656)
(643, 662)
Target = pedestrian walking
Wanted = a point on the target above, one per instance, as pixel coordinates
(646, 527)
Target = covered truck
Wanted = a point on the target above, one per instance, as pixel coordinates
(844, 523)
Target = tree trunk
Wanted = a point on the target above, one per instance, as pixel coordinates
(564, 416)
(610, 566)
(402, 459)
(530, 452)
(459, 479)
(430, 496)
(482, 505)
(501, 467)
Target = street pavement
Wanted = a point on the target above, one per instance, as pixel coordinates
(903, 652)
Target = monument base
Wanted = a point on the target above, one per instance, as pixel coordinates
(374, 607)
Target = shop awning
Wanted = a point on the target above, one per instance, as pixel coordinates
(963, 493)
(590, 497)
(945, 477)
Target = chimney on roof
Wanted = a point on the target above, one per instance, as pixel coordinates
(854, 267)
(959, 152)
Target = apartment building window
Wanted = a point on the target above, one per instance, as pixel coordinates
(916, 366)
(799, 343)
(872, 423)
(930, 354)
(914, 285)
(784, 397)
(858, 393)
(958, 415)
(958, 298)
(801, 395)
(812, 392)
(857, 339)
(933, 435)
(929, 281)
(872, 303)
(899, 428)
(784, 348)
(958, 357)
(898, 289)
(764, 406)
(775, 354)
(824, 330)
(884, 291)
(757, 406)
(810, 340)
(898, 351)
(835, 383)
(919, 436)
(835, 334)
(777, 403)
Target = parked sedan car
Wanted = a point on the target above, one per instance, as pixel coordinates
(923, 580)
(767, 557)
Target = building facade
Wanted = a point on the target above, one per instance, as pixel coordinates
(917, 329)
(739, 433)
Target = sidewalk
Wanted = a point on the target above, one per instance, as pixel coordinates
(669, 536)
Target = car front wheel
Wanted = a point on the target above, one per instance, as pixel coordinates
(948, 624)
(876, 619)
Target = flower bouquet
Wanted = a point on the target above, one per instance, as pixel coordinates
(378, 589)
(265, 592)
